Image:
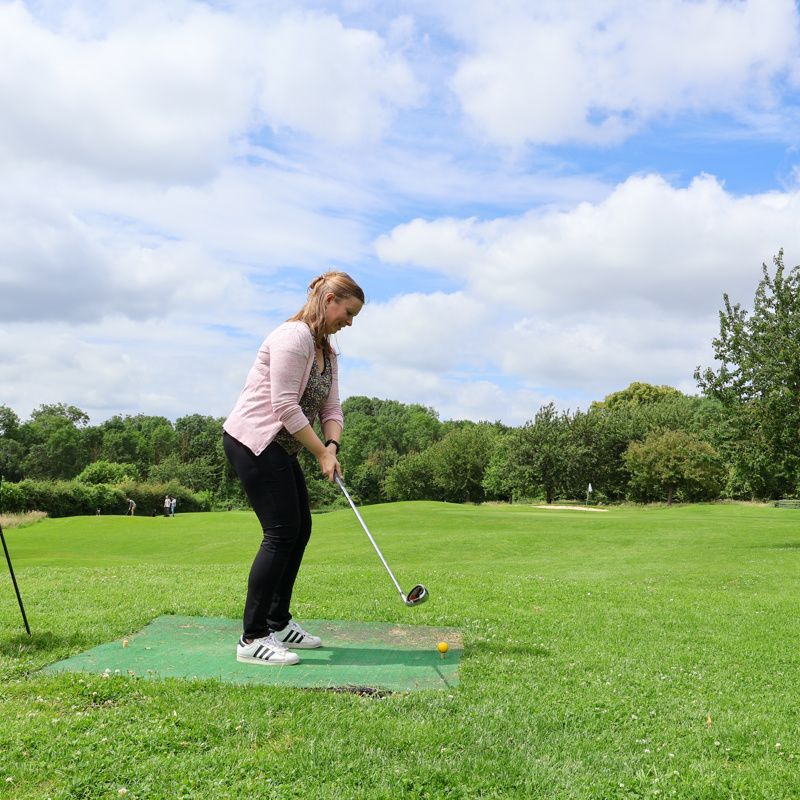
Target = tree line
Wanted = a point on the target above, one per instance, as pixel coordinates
(740, 439)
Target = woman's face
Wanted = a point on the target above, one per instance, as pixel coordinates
(340, 313)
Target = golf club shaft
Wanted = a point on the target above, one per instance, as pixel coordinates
(366, 530)
(11, 569)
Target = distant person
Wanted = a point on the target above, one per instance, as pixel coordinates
(172, 503)
(167, 505)
(131, 507)
(98, 511)
(293, 381)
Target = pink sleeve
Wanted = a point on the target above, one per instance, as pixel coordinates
(290, 365)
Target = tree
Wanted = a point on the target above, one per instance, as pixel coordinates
(199, 436)
(758, 385)
(412, 477)
(80, 419)
(540, 458)
(12, 459)
(12, 452)
(667, 461)
(163, 440)
(608, 432)
(107, 472)
(459, 462)
(637, 394)
(9, 423)
(53, 441)
(197, 474)
(451, 470)
(124, 444)
(377, 433)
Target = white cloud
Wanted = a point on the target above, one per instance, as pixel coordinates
(427, 332)
(647, 246)
(157, 99)
(453, 397)
(592, 298)
(335, 83)
(55, 266)
(122, 367)
(563, 70)
(174, 172)
(161, 95)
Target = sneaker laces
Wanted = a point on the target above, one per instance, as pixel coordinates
(273, 642)
(268, 641)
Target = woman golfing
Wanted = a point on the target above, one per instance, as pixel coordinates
(293, 381)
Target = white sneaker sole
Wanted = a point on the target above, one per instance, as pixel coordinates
(287, 661)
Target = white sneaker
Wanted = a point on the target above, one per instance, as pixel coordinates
(266, 650)
(296, 638)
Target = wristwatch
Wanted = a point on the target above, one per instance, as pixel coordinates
(333, 441)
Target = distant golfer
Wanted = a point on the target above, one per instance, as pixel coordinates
(131, 507)
(167, 505)
(172, 503)
(293, 381)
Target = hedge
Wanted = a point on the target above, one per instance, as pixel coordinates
(72, 499)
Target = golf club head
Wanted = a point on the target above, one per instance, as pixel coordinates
(419, 594)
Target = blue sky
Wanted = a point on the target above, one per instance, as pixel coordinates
(543, 200)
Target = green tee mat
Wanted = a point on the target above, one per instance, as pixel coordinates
(354, 655)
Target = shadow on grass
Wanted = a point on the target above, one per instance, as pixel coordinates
(21, 645)
(523, 650)
(356, 656)
(787, 546)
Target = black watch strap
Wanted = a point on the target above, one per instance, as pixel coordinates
(333, 441)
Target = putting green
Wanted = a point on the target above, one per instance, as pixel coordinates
(398, 658)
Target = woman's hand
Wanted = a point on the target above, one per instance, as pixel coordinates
(329, 464)
(326, 456)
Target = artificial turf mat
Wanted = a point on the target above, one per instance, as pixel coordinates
(377, 655)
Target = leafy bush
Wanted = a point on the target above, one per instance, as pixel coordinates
(70, 498)
(149, 496)
(108, 472)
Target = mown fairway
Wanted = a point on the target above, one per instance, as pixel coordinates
(634, 653)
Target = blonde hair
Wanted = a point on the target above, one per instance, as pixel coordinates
(341, 285)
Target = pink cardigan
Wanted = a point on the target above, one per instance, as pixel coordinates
(271, 396)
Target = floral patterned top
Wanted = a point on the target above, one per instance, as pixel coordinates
(314, 398)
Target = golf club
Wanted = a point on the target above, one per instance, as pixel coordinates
(419, 594)
(11, 569)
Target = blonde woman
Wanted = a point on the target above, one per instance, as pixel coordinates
(293, 381)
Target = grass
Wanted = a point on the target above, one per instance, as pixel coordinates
(9, 521)
(642, 653)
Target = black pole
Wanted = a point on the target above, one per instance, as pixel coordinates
(10, 568)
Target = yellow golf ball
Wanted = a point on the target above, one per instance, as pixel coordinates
(442, 647)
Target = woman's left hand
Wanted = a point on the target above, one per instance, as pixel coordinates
(329, 464)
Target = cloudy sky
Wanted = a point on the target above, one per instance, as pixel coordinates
(544, 200)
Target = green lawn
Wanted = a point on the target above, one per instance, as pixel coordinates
(639, 653)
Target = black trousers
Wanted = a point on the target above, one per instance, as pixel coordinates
(276, 488)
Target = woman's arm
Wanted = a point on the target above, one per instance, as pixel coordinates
(291, 353)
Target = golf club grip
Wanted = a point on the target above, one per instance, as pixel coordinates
(340, 484)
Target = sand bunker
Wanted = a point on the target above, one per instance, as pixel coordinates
(574, 508)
